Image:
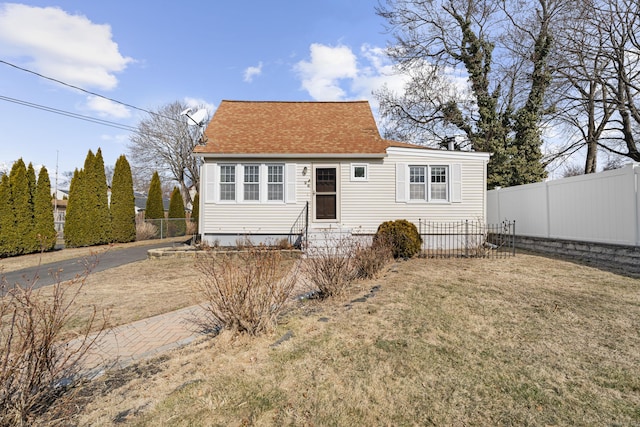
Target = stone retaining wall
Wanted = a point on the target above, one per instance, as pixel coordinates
(618, 257)
(188, 252)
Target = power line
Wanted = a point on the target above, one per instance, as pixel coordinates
(69, 114)
(86, 91)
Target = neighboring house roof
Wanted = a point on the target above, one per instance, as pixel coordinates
(275, 127)
(141, 201)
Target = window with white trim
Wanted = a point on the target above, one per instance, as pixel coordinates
(228, 182)
(417, 185)
(439, 183)
(359, 172)
(275, 182)
(435, 189)
(251, 182)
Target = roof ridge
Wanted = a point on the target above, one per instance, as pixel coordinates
(295, 102)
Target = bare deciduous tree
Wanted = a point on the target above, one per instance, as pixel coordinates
(164, 142)
(502, 47)
(598, 67)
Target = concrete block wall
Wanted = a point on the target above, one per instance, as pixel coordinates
(618, 257)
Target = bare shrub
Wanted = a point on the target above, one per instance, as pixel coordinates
(146, 231)
(245, 291)
(369, 260)
(329, 266)
(36, 368)
(192, 227)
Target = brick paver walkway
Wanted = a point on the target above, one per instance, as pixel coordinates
(126, 344)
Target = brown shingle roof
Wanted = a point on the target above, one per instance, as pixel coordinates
(266, 127)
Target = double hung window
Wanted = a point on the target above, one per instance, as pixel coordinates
(435, 188)
(275, 185)
(252, 182)
(227, 182)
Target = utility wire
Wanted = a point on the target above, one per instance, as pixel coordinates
(86, 91)
(69, 114)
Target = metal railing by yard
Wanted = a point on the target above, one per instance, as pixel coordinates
(467, 238)
(300, 228)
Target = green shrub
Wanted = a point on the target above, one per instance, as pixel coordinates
(401, 235)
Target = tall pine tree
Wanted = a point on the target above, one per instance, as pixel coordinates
(123, 210)
(44, 226)
(154, 208)
(177, 225)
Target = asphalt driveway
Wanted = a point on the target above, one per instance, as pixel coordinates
(48, 274)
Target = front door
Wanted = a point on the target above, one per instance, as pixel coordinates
(326, 193)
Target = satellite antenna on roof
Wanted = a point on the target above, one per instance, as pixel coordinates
(197, 119)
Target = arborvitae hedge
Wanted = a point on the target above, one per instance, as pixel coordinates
(154, 208)
(176, 211)
(44, 225)
(88, 221)
(195, 210)
(73, 222)
(102, 220)
(30, 241)
(7, 239)
(123, 208)
(22, 207)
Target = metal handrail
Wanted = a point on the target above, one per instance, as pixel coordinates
(300, 228)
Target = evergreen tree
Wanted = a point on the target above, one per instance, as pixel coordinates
(44, 225)
(154, 208)
(195, 210)
(99, 192)
(22, 208)
(30, 240)
(177, 225)
(7, 230)
(73, 217)
(123, 213)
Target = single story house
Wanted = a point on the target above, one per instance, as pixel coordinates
(272, 170)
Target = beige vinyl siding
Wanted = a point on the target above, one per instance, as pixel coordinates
(363, 204)
(366, 204)
(253, 217)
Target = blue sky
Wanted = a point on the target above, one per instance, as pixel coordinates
(150, 53)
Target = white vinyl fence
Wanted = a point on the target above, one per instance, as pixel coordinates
(602, 207)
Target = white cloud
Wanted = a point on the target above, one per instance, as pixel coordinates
(251, 72)
(67, 47)
(328, 66)
(336, 73)
(106, 108)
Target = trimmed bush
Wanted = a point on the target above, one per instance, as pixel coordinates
(401, 235)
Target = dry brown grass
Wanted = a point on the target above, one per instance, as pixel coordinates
(521, 341)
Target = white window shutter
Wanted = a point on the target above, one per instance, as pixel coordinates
(401, 182)
(290, 182)
(456, 183)
(210, 182)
